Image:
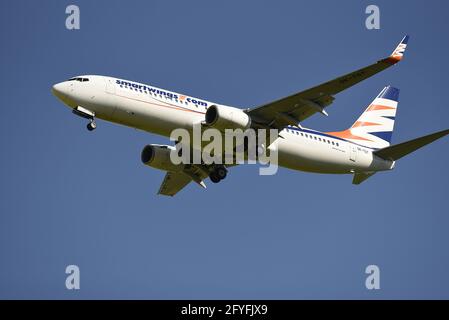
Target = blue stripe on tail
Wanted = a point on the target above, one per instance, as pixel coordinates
(390, 93)
(385, 135)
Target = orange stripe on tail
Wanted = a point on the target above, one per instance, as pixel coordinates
(364, 124)
(346, 134)
(379, 107)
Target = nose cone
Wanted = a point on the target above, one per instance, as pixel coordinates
(63, 92)
(60, 90)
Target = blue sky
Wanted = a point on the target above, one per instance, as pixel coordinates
(69, 196)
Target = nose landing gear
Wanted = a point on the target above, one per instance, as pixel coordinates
(91, 125)
(86, 114)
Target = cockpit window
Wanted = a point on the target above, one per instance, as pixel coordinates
(79, 79)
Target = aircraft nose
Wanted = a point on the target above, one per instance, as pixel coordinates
(59, 89)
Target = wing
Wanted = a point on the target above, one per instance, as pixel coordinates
(176, 181)
(298, 107)
(173, 183)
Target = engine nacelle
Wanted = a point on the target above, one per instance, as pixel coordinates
(158, 156)
(222, 117)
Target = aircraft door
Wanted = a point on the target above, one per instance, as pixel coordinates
(110, 86)
(109, 106)
(352, 152)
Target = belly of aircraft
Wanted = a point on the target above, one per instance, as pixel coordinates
(312, 158)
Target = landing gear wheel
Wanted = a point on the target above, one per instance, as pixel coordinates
(91, 126)
(221, 172)
(214, 178)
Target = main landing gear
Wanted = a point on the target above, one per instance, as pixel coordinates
(218, 174)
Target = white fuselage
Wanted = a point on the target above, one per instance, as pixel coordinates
(160, 111)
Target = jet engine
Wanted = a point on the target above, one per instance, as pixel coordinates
(222, 117)
(158, 156)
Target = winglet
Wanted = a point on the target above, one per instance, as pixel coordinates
(398, 53)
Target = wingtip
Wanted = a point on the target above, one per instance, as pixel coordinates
(398, 53)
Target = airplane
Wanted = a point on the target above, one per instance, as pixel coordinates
(361, 150)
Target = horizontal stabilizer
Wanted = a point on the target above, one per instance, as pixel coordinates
(360, 177)
(400, 150)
